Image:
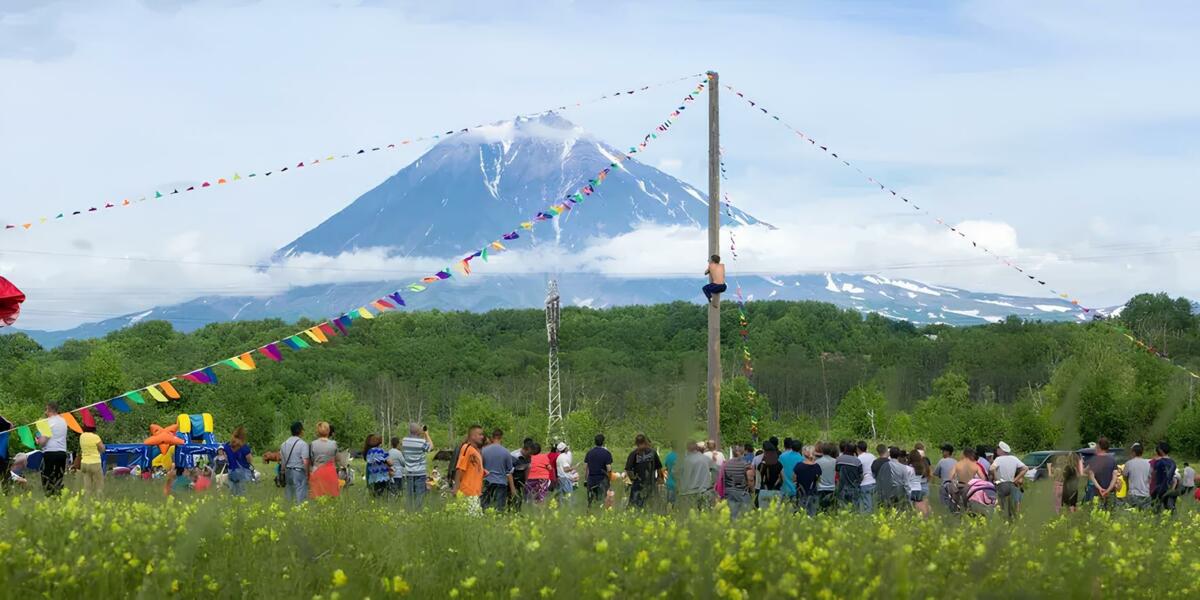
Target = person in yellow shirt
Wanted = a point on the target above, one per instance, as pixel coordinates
(90, 447)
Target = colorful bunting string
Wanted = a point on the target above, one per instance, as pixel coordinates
(321, 332)
(743, 324)
(949, 227)
(288, 167)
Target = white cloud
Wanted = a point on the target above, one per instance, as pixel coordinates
(1063, 137)
(670, 165)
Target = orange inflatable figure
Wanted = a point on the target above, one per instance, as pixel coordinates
(163, 437)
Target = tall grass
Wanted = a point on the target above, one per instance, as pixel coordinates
(135, 542)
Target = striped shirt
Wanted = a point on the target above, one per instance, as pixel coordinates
(415, 450)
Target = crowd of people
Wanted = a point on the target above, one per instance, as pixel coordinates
(807, 478)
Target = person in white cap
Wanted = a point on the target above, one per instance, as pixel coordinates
(566, 470)
(1009, 474)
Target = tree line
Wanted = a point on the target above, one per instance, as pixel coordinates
(818, 371)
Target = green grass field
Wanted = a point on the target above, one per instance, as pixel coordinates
(138, 543)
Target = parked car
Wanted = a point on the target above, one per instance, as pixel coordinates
(1038, 462)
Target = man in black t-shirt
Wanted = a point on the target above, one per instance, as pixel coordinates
(598, 463)
(645, 470)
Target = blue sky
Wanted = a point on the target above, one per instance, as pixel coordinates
(1066, 138)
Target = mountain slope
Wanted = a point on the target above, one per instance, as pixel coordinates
(468, 188)
(903, 299)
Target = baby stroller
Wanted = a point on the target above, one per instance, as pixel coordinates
(979, 497)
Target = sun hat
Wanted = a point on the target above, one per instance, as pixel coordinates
(1004, 447)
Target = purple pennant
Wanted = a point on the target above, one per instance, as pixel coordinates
(442, 275)
(338, 323)
(512, 236)
(104, 412)
(396, 297)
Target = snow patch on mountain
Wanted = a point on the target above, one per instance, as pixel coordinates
(1052, 308)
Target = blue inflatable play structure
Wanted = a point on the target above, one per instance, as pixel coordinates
(195, 433)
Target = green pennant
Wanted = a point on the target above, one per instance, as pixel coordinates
(298, 341)
(136, 397)
(158, 194)
(483, 254)
(26, 437)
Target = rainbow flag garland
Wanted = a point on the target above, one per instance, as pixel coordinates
(322, 333)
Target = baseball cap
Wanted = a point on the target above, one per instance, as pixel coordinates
(1004, 447)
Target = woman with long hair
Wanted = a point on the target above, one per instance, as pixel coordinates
(237, 451)
(378, 470)
(324, 479)
(918, 481)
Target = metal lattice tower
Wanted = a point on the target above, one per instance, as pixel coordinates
(554, 405)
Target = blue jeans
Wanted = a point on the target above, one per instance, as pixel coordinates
(739, 502)
(565, 486)
(766, 497)
(297, 485)
(714, 288)
(495, 496)
(237, 481)
(414, 491)
(866, 498)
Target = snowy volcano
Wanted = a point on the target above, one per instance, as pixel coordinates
(470, 187)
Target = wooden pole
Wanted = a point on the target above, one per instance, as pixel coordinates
(714, 242)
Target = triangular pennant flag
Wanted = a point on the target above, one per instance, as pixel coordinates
(271, 351)
(221, 181)
(157, 395)
(484, 254)
(364, 313)
(248, 360)
(43, 427)
(338, 323)
(395, 296)
(85, 417)
(295, 342)
(412, 287)
(157, 194)
(26, 437)
(169, 390)
(498, 245)
(314, 335)
(327, 329)
(236, 177)
(72, 424)
(105, 413)
(120, 404)
(237, 363)
(136, 396)
(381, 305)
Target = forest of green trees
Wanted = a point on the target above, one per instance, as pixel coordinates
(819, 371)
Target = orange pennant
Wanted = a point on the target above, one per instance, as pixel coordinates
(169, 389)
(71, 422)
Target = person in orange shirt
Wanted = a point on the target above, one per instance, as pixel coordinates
(468, 471)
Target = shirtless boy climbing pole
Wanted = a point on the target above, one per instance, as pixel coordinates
(716, 279)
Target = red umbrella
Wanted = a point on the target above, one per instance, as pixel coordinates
(10, 302)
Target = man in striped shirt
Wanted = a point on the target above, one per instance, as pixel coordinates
(415, 449)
